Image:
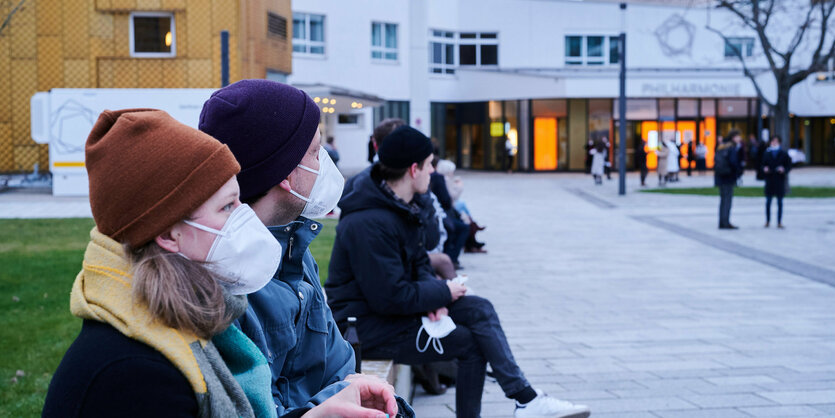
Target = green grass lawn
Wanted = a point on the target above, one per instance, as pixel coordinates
(39, 260)
(749, 191)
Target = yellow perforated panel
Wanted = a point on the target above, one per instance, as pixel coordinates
(76, 74)
(50, 65)
(24, 85)
(121, 35)
(105, 74)
(124, 74)
(200, 74)
(148, 4)
(6, 149)
(76, 31)
(199, 28)
(25, 157)
(49, 17)
(22, 31)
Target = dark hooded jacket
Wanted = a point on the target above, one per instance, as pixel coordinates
(379, 271)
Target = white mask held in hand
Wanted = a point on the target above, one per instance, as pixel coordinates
(326, 191)
(244, 250)
(435, 330)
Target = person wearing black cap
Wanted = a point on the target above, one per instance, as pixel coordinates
(379, 272)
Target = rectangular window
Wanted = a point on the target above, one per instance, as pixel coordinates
(308, 33)
(574, 50)
(478, 49)
(152, 35)
(442, 52)
(743, 46)
(384, 41)
(276, 25)
(614, 50)
(591, 50)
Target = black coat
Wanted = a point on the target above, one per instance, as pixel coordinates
(730, 151)
(379, 271)
(775, 182)
(106, 374)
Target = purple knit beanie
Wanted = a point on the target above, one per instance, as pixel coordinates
(267, 125)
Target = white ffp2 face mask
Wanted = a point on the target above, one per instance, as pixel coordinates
(435, 330)
(326, 191)
(244, 250)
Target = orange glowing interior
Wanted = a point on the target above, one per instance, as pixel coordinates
(545, 143)
(646, 128)
(707, 128)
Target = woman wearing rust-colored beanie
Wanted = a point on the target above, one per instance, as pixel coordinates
(155, 322)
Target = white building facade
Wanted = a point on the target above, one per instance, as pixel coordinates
(540, 77)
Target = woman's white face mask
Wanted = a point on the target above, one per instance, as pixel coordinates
(326, 191)
(244, 250)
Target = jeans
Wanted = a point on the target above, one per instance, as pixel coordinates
(458, 233)
(726, 195)
(779, 208)
(477, 339)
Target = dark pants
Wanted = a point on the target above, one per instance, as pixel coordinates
(779, 208)
(726, 195)
(458, 232)
(644, 173)
(477, 339)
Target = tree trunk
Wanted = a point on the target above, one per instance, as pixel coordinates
(782, 124)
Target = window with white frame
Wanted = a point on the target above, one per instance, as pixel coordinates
(739, 46)
(448, 49)
(442, 52)
(308, 34)
(384, 41)
(152, 35)
(481, 49)
(591, 50)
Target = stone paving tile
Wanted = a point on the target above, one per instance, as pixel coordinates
(826, 408)
(653, 404)
(782, 411)
(704, 413)
(806, 397)
(727, 401)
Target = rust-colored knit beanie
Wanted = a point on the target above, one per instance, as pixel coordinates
(148, 171)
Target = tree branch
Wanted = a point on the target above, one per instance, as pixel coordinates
(9, 17)
(745, 69)
(755, 24)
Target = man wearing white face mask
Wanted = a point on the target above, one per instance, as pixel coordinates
(287, 178)
(379, 272)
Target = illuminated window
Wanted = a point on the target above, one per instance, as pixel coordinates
(308, 34)
(384, 41)
(152, 35)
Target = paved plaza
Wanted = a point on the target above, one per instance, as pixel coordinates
(638, 305)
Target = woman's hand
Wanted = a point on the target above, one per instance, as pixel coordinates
(365, 397)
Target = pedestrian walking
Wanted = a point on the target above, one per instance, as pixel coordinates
(662, 152)
(775, 167)
(330, 148)
(689, 158)
(641, 161)
(701, 158)
(673, 163)
(598, 155)
(607, 164)
(510, 150)
(727, 170)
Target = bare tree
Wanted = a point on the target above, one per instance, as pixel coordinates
(810, 34)
(8, 17)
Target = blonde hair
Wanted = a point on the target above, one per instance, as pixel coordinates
(180, 293)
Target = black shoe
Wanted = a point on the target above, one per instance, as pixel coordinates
(457, 265)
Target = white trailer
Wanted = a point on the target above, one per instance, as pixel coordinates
(63, 119)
